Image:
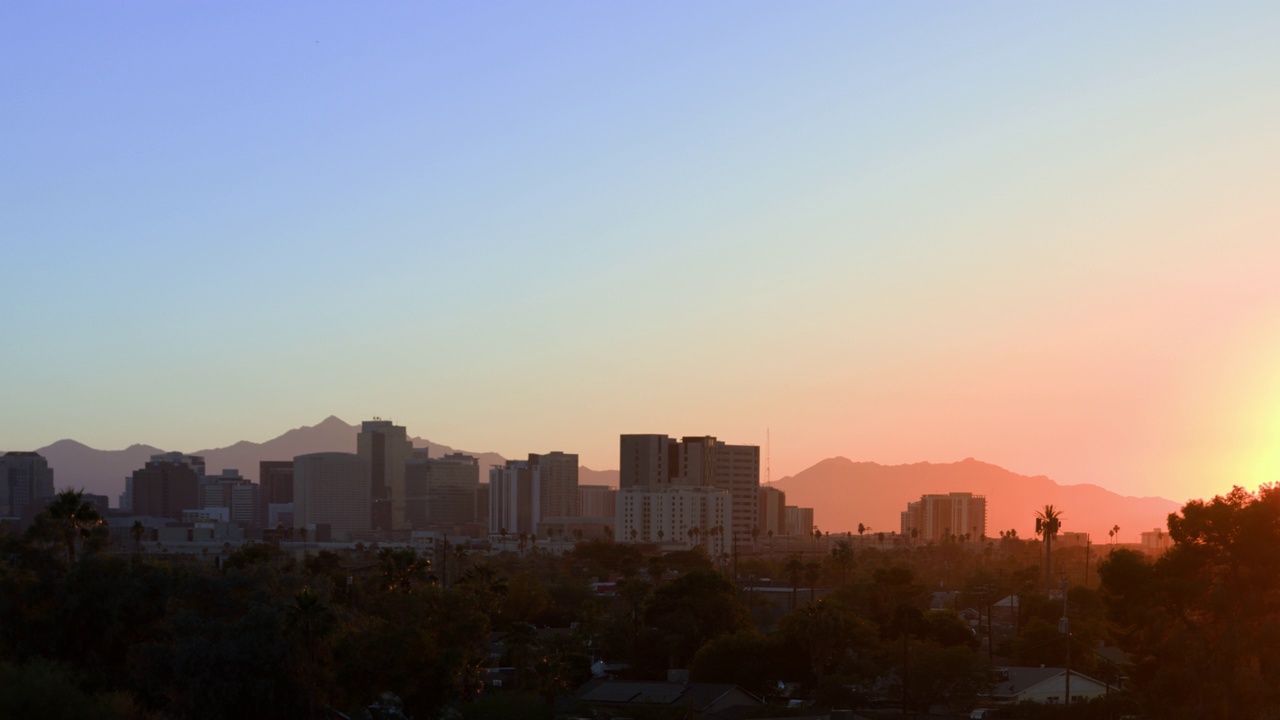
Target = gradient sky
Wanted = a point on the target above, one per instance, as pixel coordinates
(1046, 235)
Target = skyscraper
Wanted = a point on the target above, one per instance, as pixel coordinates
(938, 518)
(441, 492)
(332, 488)
(555, 475)
(387, 448)
(658, 462)
(168, 484)
(26, 481)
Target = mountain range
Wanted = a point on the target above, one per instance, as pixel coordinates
(845, 493)
(103, 471)
(842, 492)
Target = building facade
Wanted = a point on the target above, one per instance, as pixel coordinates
(687, 516)
(387, 448)
(659, 462)
(941, 518)
(441, 492)
(168, 484)
(332, 488)
(26, 483)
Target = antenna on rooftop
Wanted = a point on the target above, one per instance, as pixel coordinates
(768, 450)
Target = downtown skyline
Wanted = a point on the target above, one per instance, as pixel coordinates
(1041, 236)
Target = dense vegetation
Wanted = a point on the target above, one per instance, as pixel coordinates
(93, 631)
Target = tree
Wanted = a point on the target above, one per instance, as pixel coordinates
(843, 557)
(1048, 522)
(69, 519)
(692, 610)
(1212, 602)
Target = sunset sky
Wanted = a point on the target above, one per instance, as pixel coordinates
(1045, 235)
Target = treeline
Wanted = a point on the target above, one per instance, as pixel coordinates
(386, 632)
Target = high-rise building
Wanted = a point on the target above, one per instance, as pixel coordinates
(657, 462)
(513, 503)
(555, 475)
(26, 483)
(168, 484)
(773, 514)
(937, 518)
(689, 516)
(597, 501)
(332, 488)
(387, 448)
(441, 492)
(232, 491)
(275, 487)
(799, 521)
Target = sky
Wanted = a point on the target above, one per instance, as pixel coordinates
(1045, 235)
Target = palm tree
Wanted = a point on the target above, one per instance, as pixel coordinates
(1048, 521)
(842, 554)
(138, 531)
(1114, 533)
(794, 569)
(69, 519)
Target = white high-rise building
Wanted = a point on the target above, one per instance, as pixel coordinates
(659, 462)
(689, 516)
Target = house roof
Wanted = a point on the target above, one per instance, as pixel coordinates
(700, 695)
(1015, 681)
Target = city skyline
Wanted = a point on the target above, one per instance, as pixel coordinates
(1042, 236)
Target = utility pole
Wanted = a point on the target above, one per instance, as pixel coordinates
(1064, 627)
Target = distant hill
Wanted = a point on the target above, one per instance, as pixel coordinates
(103, 472)
(844, 493)
(587, 476)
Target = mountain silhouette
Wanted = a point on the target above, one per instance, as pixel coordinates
(102, 472)
(844, 493)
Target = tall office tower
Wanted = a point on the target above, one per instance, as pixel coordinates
(555, 475)
(645, 461)
(234, 492)
(597, 501)
(441, 492)
(799, 521)
(332, 488)
(689, 516)
(275, 486)
(658, 462)
(773, 514)
(937, 518)
(513, 503)
(387, 448)
(168, 484)
(126, 497)
(26, 482)
(737, 469)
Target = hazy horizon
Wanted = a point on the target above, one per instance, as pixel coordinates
(1039, 235)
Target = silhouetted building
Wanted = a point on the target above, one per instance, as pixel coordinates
(387, 448)
(773, 512)
(168, 484)
(26, 482)
(597, 501)
(275, 487)
(799, 521)
(441, 492)
(938, 518)
(332, 488)
(513, 503)
(555, 475)
(237, 494)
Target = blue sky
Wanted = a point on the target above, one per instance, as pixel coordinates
(1038, 234)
